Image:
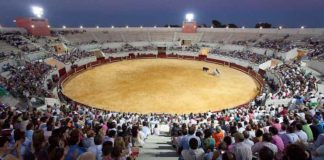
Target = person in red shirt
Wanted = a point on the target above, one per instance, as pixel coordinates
(218, 136)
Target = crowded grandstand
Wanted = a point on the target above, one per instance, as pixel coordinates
(284, 121)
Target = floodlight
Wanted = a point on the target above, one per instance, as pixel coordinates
(280, 27)
(32, 26)
(97, 27)
(260, 27)
(227, 27)
(189, 17)
(37, 11)
(112, 27)
(81, 27)
(126, 26)
(48, 26)
(14, 21)
(63, 27)
(302, 27)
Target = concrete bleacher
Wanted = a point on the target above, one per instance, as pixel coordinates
(162, 36)
(7, 48)
(158, 147)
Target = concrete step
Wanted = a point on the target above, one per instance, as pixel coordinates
(158, 148)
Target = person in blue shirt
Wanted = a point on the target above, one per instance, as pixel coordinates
(191, 134)
(74, 150)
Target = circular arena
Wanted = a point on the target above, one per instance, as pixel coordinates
(161, 86)
(117, 90)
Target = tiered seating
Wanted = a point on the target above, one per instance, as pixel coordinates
(162, 36)
(108, 36)
(214, 37)
(134, 36)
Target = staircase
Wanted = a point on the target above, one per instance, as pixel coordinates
(158, 148)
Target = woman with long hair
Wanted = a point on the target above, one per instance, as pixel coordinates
(39, 145)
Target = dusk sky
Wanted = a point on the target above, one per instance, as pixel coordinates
(89, 13)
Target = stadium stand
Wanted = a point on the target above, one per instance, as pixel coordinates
(290, 130)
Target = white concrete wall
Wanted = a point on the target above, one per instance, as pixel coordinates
(316, 65)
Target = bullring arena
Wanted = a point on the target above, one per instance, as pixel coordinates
(161, 86)
(187, 92)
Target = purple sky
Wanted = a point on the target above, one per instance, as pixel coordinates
(288, 13)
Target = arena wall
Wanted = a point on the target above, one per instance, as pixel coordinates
(316, 65)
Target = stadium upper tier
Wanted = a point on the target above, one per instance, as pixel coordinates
(203, 35)
(206, 35)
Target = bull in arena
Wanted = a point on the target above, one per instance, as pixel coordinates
(205, 69)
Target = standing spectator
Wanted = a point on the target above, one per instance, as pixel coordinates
(74, 150)
(247, 140)
(193, 152)
(240, 149)
(4, 149)
(97, 149)
(107, 149)
(208, 142)
(267, 138)
(293, 138)
(218, 136)
(266, 154)
(156, 130)
(300, 133)
(191, 134)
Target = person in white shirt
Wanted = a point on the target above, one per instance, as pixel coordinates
(240, 127)
(193, 153)
(142, 135)
(241, 150)
(292, 136)
(146, 130)
(247, 141)
(97, 149)
(300, 133)
(111, 136)
(156, 130)
(266, 142)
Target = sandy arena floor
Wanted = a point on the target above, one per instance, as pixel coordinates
(160, 86)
